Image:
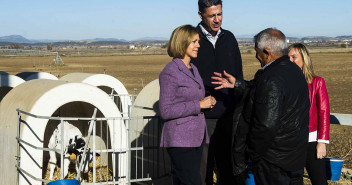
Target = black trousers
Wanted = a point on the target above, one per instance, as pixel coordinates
(186, 164)
(218, 153)
(266, 173)
(314, 166)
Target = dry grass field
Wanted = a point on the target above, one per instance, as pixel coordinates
(136, 71)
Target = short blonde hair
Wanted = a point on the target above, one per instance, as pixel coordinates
(180, 39)
(307, 67)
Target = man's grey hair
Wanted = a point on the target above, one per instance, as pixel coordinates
(272, 39)
(203, 4)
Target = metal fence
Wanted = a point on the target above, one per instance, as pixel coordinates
(27, 52)
(128, 148)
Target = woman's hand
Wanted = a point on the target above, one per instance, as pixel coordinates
(207, 102)
(321, 150)
(225, 81)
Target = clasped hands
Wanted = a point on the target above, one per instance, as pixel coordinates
(207, 102)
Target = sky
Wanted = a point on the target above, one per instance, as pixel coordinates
(133, 19)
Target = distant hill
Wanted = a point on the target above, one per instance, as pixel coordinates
(18, 39)
(109, 39)
(294, 39)
(345, 37)
(152, 38)
(109, 43)
(150, 41)
(15, 39)
(22, 40)
(317, 38)
(44, 41)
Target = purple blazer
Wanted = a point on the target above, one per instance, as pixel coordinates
(180, 93)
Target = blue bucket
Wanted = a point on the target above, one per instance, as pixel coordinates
(65, 182)
(249, 175)
(333, 167)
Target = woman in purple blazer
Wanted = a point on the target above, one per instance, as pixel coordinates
(181, 103)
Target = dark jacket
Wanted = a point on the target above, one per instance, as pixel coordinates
(225, 56)
(241, 123)
(280, 116)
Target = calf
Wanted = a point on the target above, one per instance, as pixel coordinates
(73, 148)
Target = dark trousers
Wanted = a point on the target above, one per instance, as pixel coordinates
(186, 164)
(266, 173)
(315, 167)
(208, 161)
(218, 153)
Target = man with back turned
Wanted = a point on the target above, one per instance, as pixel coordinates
(279, 117)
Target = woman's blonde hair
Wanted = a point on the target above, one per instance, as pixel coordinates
(307, 67)
(180, 39)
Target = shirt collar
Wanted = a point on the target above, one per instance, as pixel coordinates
(266, 65)
(210, 36)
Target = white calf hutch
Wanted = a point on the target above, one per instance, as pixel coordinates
(7, 83)
(126, 142)
(36, 75)
(108, 84)
(53, 98)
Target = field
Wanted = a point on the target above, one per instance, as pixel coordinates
(136, 71)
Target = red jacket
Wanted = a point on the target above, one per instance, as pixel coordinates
(319, 113)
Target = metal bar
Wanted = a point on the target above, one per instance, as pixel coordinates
(31, 176)
(119, 154)
(142, 151)
(67, 118)
(121, 150)
(118, 182)
(101, 135)
(38, 148)
(94, 135)
(83, 183)
(142, 179)
(86, 145)
(18, 159)
(112, 95)
(142, 117)
(129, 146)
(113, 154)
(136, 153)
(62, 150)
(107, 146)
(151, 153)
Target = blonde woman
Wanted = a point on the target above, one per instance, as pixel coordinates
(319, 115)
(182, 102)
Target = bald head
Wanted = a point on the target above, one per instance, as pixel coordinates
(273, 40)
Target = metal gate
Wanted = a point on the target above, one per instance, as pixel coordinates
(132, 156)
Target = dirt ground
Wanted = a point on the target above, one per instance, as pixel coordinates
(138, 71)
(340, 146)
